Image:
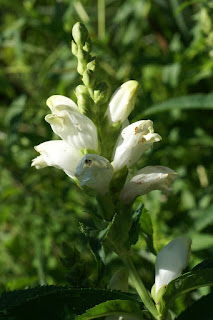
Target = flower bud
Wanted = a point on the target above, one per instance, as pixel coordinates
(85, 103)
(101, 93)
(148, 179)
(81, 89)
(122, 101)
(171, 261)
(88, 46)
(74, 48)
(92, 65)
(88, 78)
(80, 34)
(73, 127)
(94, 172)
(58, 154)
(133, 141)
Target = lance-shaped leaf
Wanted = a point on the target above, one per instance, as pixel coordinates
(186, 282)
(133, 141)
(201, 309)
(114, 308)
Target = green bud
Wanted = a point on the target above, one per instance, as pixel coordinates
(74, 48)
(92, 65)
(101, 93)
(81, 67)
(89, 78)
(81, 89)
(88, 46)
(82, 55)
(84, 102)
(80, 34)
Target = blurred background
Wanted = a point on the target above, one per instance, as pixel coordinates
(167, 46)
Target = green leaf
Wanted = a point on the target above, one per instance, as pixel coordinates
(113, 307)
(147, 229)
(135, 228)
(185, 283)
(206, 264)
(195, 101)
(77, 269)
(117, 235)
(201, 309)
(51, 302)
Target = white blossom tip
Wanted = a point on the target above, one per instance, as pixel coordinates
(60, 101)
(171, 261)
(122, 102)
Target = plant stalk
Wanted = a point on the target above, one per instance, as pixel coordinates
(139, 286)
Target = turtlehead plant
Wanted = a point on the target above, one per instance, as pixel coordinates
(96, 148)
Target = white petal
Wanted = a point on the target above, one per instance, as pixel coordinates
(74, 128)
(95, 172)
(58, 101)
(57, 153)
(171, 261)
(133, 141)
(122, 101)
(148, 179)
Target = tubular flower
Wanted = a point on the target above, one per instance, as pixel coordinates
(58, 154)
(95, 172)
(148, 179)
(70, 125)
(122, 102)
(171, 261)
(133, 141)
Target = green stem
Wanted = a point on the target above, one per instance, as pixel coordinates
(139, 286)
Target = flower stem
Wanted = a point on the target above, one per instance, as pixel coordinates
(139, 286)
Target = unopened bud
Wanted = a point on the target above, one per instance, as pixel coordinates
(101, 93)
(122, 101)
(84, 102)
(81, 89)
(92, 65)
(80, 34)
(89, 78)
(171, 261)
(88, 46)
(74, 48)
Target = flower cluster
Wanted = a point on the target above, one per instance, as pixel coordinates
(78, 151)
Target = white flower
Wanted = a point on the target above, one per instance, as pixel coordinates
(68, 123)
(132, 142)
(58, 154)
(122, 101)
(171, 261)
(148, 179)
(95, 172)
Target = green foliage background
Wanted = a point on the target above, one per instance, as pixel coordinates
(167, 46)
